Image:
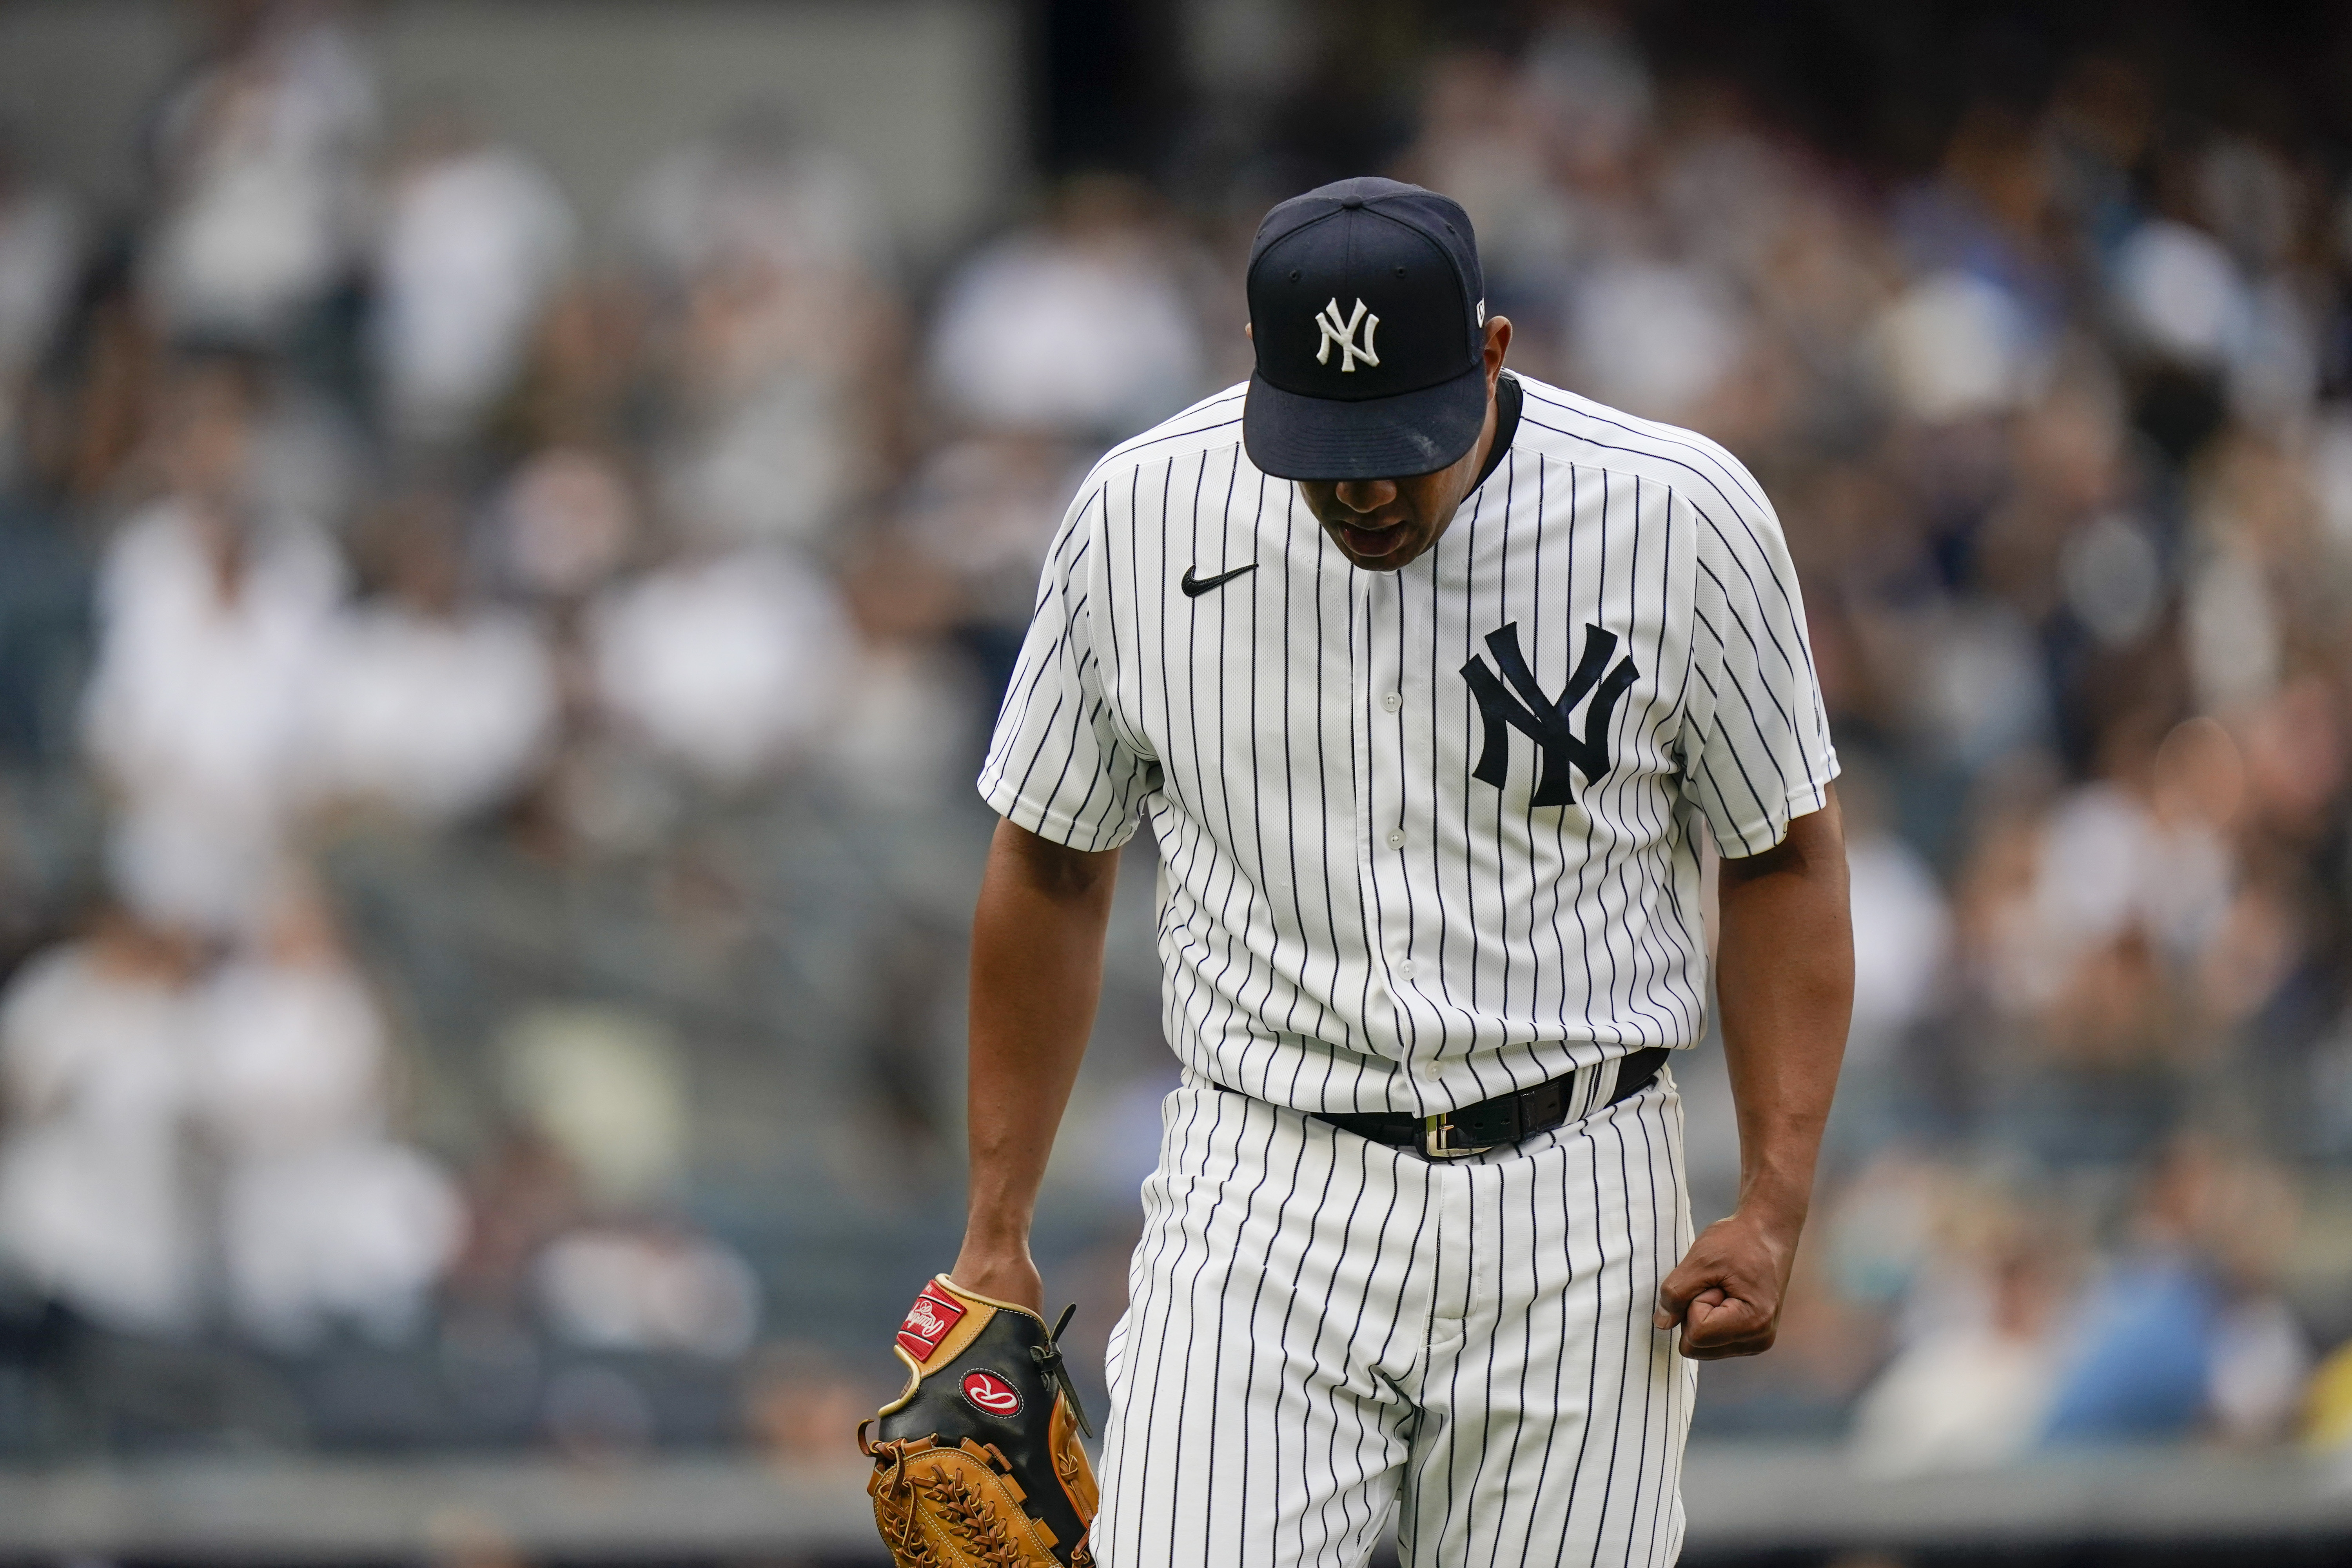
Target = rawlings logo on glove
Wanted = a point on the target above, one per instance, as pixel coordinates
(977, 1462)
(929, 1321)
(992, 1394)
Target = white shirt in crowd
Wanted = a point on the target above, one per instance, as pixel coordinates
(1046, 333)
(115, 1070)
(94, 1058)
(262, 155)
(472, 244)
(324, 1219)
(435, 717)
(730, 664)
(196, 709)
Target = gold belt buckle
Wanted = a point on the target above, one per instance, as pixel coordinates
(1435, 1131)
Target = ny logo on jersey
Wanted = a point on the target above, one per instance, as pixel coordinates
(1343, 334)
(1544, 720)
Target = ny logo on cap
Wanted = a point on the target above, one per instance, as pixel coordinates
(1343, 333)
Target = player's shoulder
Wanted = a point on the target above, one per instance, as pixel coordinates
(1569, 427)
(1212, 425)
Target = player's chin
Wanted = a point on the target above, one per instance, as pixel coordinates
(1406, 550)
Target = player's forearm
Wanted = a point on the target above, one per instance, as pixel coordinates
(1784, 980)
(1036, 972)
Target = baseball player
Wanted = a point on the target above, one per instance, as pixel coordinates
(1424, 676)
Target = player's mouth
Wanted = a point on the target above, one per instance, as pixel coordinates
(1372, 543)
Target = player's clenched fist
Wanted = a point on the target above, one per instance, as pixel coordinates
(1726, 1293)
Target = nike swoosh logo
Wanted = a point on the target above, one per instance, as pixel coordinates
(1195, 586)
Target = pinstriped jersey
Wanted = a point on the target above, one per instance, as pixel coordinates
(1427, 836)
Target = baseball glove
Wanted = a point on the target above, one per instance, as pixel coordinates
(977, 1464)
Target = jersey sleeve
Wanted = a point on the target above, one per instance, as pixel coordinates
(1057, 763)
(1757, 751)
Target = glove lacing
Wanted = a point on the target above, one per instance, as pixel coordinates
(894, 1489)
(977, 1530)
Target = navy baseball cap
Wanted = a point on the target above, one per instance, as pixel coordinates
(1369, 316)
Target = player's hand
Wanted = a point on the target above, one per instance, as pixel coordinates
(1726, 1293)
(1006, 1273)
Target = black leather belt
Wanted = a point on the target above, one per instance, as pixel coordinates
(1490, 1123)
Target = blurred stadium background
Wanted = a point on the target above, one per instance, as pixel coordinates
(513, 519)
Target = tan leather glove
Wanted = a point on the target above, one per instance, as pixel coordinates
(977, 1462)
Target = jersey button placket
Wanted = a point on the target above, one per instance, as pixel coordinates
(1396, 839)
(1380, 1020)
(1378, 681)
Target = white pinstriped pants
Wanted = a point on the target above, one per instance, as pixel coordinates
(1321, 1329)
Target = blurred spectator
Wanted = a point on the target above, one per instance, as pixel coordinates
(324, 1221)
(2181, 295)
(566, 522)
(211, 618)
(769, 252)
(41, 241)
(1970, 1391)
(474, 240)
(2185, 1332)
(1080, 327)
(2327, 1416)
(979, 512)
(96, 1045)
(650, 1288)
(289, 1051)
(1957, 346)
(1652, 337)
(730, 664)
(905, 723)
(1901, 942)
(423, 700)
(799, 1399)
(1485, 141)
(258, 157)
(603, 1086)
(775, 444)
(1597, 92)
(522, 1195)
(1901, 929)
(756, 190)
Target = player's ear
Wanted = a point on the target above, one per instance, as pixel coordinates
(1249, 330)
(1499, 343)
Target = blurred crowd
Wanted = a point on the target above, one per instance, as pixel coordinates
(2057, 437)
(488, 702)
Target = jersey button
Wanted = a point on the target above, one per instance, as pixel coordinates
(1404, 969)
(1396, 837)
(1392, 702)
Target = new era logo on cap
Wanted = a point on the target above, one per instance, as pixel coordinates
(1366, 310)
